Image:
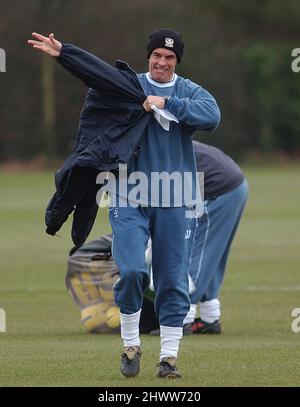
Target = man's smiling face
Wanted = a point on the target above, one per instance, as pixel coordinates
(162, 63)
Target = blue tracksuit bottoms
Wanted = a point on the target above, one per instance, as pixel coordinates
(213, 237)
(171, 233)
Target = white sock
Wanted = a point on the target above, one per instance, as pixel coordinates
(191, 315)
(169, 341)
(130, 328)
(210, 310)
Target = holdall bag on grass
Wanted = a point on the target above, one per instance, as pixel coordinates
(90, 277)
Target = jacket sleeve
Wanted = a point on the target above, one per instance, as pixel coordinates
(93, 71)
(199, 111)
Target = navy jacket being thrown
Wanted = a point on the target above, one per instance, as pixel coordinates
(112, 122)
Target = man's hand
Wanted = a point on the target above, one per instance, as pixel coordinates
(48, 45)
(153, 100)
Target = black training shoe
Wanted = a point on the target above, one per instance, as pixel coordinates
(167, 368)
(130, 361)
(201, 327)
(187, 330)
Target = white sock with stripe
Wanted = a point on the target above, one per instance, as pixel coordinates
(130, 328)
(169, 341)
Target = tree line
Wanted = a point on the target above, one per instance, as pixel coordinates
(240, 51)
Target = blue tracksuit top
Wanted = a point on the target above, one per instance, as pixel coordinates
(172, 151)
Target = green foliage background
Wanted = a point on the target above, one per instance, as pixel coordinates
(240, 51)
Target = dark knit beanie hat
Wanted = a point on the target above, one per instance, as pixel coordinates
(168, 39)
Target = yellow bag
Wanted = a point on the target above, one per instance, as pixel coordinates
(90, 278)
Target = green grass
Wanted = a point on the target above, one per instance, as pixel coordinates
(45, 345)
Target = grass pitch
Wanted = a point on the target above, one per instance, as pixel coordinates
(45, 344)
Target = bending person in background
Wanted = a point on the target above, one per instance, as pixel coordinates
(225, 196)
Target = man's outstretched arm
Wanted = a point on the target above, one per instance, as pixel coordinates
(93, 71)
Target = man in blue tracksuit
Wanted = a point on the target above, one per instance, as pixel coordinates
(165, 217)
(160, 151)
